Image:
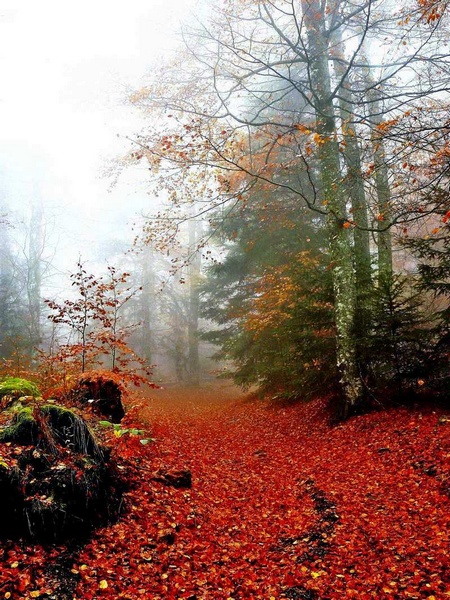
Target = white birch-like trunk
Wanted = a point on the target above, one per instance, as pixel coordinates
(340, 246)
(384, 238)
(383, 191)
(353, 180)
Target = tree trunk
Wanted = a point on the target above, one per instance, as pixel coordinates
(34, 276)
(147, 299)
(194, 303)
(384, 239)
(354, 180)
(340, 246)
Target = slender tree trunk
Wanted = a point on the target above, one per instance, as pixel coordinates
(384, 238)
(34, 279)
(354, 180)
(383, 192)
(147, 299)
(354, 184)
(194, 303)
(340, 246)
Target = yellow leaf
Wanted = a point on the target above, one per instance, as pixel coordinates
(315, 574)
(35, 594)
(103, 584)
(14, 565)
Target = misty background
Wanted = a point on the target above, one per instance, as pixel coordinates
(67, 72)
(303, 246)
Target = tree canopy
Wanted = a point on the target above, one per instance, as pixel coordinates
(335, 107)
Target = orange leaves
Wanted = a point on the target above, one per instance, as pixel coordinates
(441, 157)
(319, 140)
(370, 169)
(275, 296)
(431, 10)
(363, 510)
(385, 126)
(303, 129)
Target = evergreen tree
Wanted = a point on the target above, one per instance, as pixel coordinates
(432, 251)
(271, 298)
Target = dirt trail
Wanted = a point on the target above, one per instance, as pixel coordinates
(181, 402)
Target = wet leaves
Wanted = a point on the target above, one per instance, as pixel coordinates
(282, 505)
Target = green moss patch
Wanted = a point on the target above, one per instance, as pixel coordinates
(23, 428)
(17, 387)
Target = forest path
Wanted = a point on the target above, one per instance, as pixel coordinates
(248, 505)
(282, 504)
(240, 450)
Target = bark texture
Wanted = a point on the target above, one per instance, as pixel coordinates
(333, 193)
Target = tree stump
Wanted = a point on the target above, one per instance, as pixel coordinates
(56, 481)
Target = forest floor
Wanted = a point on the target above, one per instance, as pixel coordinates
(283, 504)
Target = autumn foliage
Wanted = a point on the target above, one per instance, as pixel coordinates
(282, 505)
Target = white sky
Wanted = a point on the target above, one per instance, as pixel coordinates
(65, 68)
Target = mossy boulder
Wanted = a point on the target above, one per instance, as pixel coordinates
(71, 431)
(56, 481)
(23, 428)
(16, 387)
(49, 426)
(13, 388)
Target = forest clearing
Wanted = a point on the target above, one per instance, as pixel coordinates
(283, 504)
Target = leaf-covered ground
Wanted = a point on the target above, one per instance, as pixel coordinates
(282, 505)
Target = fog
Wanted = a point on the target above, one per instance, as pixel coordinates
(66, 72)
(256, 142)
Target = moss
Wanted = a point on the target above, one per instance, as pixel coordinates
(52, 426)
(16, 387)
(62, 484)
(23, 429)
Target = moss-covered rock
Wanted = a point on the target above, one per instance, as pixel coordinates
(23, 428)
(71, 431)
(15, 387)
(61, 484)
(50, 425)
